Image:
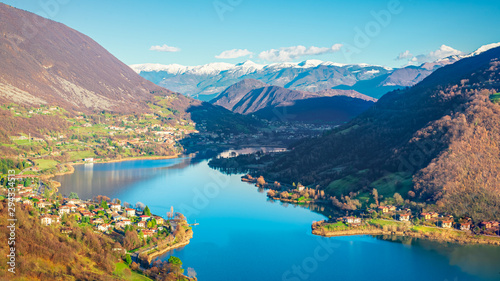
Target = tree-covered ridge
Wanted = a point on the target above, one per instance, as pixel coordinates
(437, 141)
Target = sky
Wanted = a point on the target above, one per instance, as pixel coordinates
(391, 33)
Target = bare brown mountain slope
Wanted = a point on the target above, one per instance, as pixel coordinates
(45, 62)
(250, 95)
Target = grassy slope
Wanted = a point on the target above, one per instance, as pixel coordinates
(120, 271)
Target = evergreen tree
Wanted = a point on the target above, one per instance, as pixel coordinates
(73, 195)
(128, 259)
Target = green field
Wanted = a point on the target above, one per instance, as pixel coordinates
(79, 155)
(134, 276)
(336, 226)
(25, 142)
(44, 164)
(382, 223)
(396, 182)
(343, 186)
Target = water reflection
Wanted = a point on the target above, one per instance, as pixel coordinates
(478, 260)
(243, 235)
(109, 179)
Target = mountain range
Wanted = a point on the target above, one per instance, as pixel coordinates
(251, 96)
(206, 82)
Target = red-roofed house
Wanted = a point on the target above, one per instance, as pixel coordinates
(64, 210)
(71, 207)
(87, 214)
(465, 226)
(103, 227)
(404, 217)
(147, 233)
(55, 219)
(159, 220)
(97, 221)
(487, 224)
(129, 212)
(384, 209)
(425, 216)
(446, 223)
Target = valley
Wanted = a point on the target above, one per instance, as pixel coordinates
(284, 155)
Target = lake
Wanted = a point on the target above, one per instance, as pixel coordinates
(243, 236)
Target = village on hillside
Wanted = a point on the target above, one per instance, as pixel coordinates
(135, 227)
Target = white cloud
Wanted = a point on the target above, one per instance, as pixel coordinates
(164, 48)
(404, 55)
(443, 52)
(235, 53)
(291, 53)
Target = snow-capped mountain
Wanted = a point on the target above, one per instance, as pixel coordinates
(207, 81)
(482, 49)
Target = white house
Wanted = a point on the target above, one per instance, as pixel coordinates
(129, 212)
(64, 210)
(46, 220)
(115, 207)
(103, 227)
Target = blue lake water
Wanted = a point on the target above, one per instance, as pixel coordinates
(243, 236)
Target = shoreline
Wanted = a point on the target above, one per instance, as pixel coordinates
(186, 241)
(443, 235)
(467, 239)
(71, 168)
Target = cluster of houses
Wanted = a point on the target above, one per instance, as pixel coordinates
(104, 220)
(114, 217)
(430, 218)
(465, 224)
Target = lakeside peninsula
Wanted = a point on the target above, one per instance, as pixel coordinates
(133, 234)
(404, 218)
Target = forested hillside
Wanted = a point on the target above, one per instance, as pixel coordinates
(44, 253)
(437, 141)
